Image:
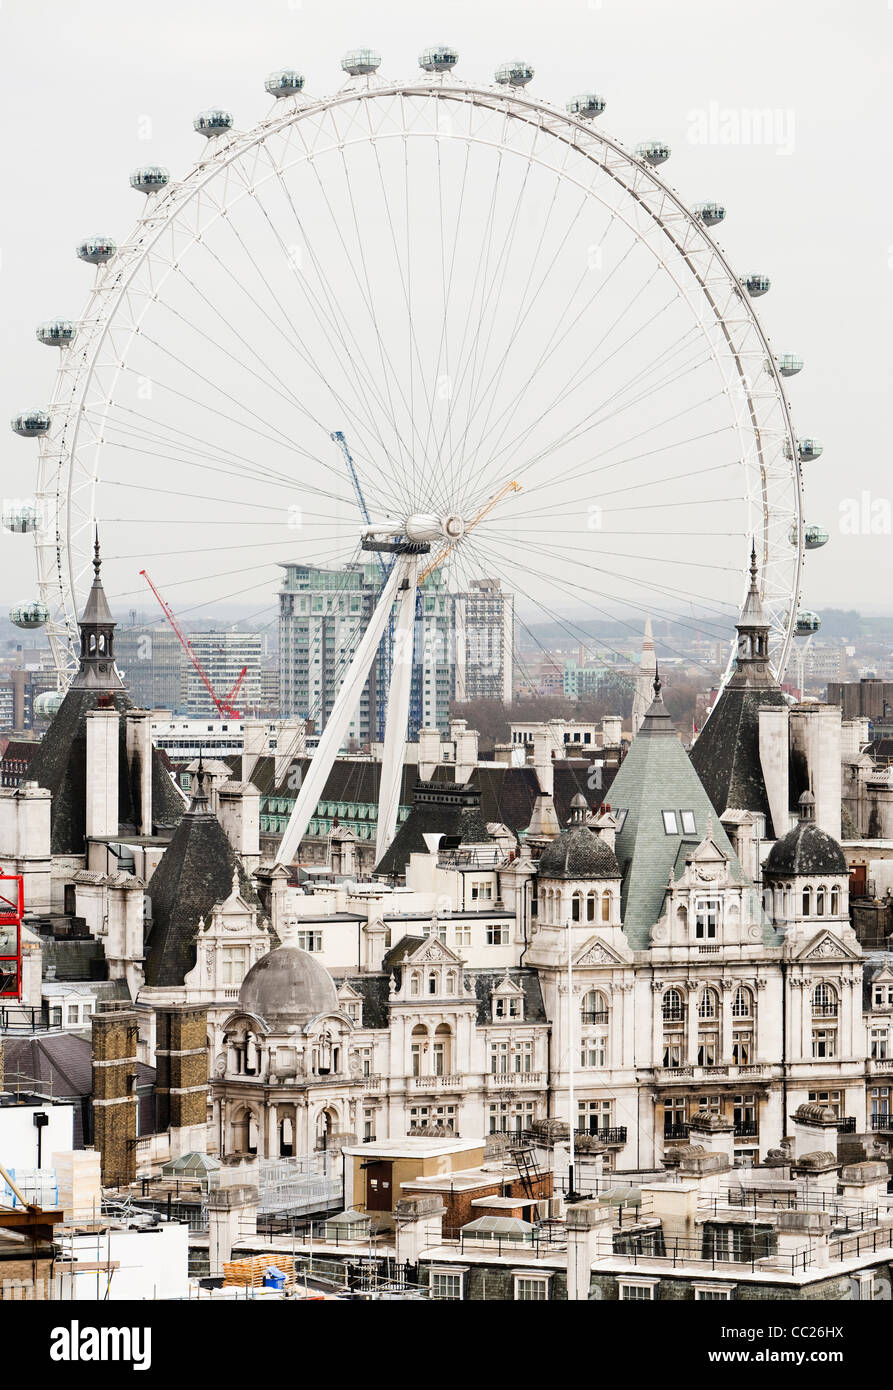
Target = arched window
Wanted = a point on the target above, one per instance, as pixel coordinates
(673, 1006)
(414, 983)
(824, 1001)
(682, 917)
(807, 902)
(606, 907)
(594, 1008)
(820, 901)
(742, 1003)
(708, 1004)
(432, 983)
(418, 1047)
(443, 1037)
(835, 901)
(451, 982)
(577, 907)
(591, 899)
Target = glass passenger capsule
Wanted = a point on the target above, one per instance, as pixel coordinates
(587, 104)
(710, 213)
(96, 250)
(48, 704)
(213, 122)
(284, 83)
(56, 333)
(20, 517)
(756, 284)
(654, 152)
(440, 58)
(807, 623)
(150, 178)
(516, 74)
(31, 423)
(29, 615)
(360, 62)
(814, 537)
(807, 450)
(788, 363)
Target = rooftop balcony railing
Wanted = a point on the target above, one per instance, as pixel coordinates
(608, 1134)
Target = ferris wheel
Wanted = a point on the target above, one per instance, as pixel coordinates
(546, 369)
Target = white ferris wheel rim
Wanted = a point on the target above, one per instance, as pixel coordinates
(707, 273)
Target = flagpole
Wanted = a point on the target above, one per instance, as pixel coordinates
(570, 1055)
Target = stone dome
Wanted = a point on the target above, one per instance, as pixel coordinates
(806, 850)
(578, 853)
(287, 987)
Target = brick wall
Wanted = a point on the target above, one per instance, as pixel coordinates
(114, 1097)
(459, 1209)
(181, 1060)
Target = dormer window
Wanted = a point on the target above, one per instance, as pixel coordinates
(883, 996)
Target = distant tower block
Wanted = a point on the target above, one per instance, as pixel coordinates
(644, 680)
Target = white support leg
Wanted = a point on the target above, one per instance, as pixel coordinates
(345, 703)
(398, 712)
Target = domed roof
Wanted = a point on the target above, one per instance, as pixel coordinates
(578, 853)
(287, 986)
(806, 850)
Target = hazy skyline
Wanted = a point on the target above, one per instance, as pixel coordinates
(112, 86)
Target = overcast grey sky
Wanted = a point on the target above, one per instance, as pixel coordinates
(814, 210)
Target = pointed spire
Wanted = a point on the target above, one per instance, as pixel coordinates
(97, 656)
(753, 635)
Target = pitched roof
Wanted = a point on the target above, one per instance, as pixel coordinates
(60, 765)
(60, 1065)
(196, 871)
(437, 809)
(656, 776)
(726, 753)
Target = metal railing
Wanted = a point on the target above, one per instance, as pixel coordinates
(846, 1124)
(746, 1129)
(881, 1121)
(608, 1134)
(845, 1249)
(676, 1131)
(22, 1018)
(681, 1252)
(593, 1015)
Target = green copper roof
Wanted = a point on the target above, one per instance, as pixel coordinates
(656, 776)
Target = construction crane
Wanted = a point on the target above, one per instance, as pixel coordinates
(387, 642)
(223, 703)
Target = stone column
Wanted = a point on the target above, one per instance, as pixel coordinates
(102, 772)
(725, 1039)
(586, 1222)
(230, 1211)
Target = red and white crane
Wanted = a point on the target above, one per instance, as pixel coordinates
(224, 704)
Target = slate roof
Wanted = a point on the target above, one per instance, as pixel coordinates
(438, 809)
(196, 871)
(375, 990)
(726, 753)
(60, 765)
(657, 775)
(60, 1065)
(487, 980)
(806, 850)
(578, 853)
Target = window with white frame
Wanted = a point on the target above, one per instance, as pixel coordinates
(508, 1006)
(713, 1293)
(499, 1058)
(879, 1097)
(73, 1014)
(670, 824)
(879, 1043)
(497, 934)
(883, 996)
(531, 1288)
(234, 964)
(832, 1100)
(824, 1042)
(593, 1052)
(309, 940)
(689, 824)
(593, 1115)
(482, 892)
(637, 1290)
(522, 1057)
(463, 933)
(706, 918)
(445, 1284)
(422, 1115)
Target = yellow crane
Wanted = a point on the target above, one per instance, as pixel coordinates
(478, 517)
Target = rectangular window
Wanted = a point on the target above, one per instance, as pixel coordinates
(593, 1052)
(824, 1042)
(708, 1049)
(742, 1046)
(621, 819)
(523, 1056)
(832, 1099)
(499, 1058)
(463, 934)
(309, 940)
(72, 1014)
(234, 964)
(673, 1050)
(497, 935)
(669, 822)
(689, 824)
(445, 1285)
(636, 1293)
(529, 1289)
(482, 892)
(879, 1037)
(713, 1293)
(706, 918)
